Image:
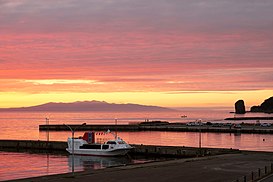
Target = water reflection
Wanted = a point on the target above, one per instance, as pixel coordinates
(26, 163)
(82, 163)
(16, 165)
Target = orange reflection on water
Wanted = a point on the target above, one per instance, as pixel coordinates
(258, 142)
(15, 165)
(22, 165)
(22, 126)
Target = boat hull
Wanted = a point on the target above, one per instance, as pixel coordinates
(98, 152)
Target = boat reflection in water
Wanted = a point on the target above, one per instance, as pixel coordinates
(82, 163)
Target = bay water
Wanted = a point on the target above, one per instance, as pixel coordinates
(25, 126)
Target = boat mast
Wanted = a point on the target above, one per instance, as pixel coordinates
(116, 132)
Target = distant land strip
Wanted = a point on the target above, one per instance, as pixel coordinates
(250, 118)
(89, 106)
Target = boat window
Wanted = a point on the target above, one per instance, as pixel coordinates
(105, 146)
(111, 142)
(90, 146)
(121, 142)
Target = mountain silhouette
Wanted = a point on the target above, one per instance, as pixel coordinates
(90, 106)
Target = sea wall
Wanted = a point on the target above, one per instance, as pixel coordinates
(177, 151)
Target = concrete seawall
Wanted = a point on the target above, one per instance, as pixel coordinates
(166, 127)
(175, 151)
(168, 151)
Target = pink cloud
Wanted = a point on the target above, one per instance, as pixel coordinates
(207, 46)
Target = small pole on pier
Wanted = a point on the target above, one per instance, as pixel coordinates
(73, 131)
(47, 133)
(200, 138)
(47, 139)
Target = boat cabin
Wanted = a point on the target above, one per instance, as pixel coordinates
(89, 137)
(87, 145)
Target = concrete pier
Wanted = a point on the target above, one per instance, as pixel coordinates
(152, 150)
(33, 145)
(178, 127)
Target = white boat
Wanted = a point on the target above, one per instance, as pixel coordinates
(86, 146)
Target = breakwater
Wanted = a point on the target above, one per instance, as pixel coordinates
(149, 150)
(178, 127)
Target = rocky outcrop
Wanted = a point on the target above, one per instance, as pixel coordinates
(266, 106)
(240, 107)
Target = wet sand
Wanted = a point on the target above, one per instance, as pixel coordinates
(222, 168)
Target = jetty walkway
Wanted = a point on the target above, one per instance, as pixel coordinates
(146, 150)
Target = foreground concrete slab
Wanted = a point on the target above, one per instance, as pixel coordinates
(222, 168)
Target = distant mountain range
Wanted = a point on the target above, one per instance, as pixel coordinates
(89, 106)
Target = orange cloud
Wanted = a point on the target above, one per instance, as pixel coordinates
(163, 46)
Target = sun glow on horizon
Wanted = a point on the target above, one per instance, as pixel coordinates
(181, 99)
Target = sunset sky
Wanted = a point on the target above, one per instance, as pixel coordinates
(173, 53)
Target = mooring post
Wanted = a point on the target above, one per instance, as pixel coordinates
(200, 136)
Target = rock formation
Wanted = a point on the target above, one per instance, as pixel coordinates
(266, 106)
(240, 107)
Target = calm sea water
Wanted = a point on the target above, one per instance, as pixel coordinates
(25, 125)
(16, 165)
